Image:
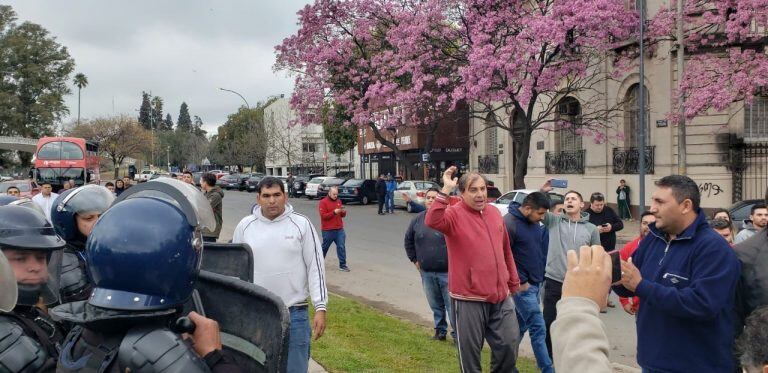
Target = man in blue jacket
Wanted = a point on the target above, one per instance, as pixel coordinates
(426, 249)
(685, 275)
(530, 240)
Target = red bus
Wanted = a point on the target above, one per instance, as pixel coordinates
(59, 159)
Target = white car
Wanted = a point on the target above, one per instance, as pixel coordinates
(416, 190)
(311, 189)
(145, 175)
(518, 195)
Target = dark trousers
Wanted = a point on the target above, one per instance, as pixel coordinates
(494, 323)
(381, 198)
(339, 237)
(553, 291)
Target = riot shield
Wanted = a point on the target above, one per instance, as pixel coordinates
(8, 291)
(254, 322)
(228, 259)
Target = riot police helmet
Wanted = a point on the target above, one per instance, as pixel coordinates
(145, 252)
(33, 249)
(88, 200)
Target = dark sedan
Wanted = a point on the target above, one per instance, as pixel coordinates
(300, 183)
(358, 190)
(322, 190)
(253, 182)
(233, 181)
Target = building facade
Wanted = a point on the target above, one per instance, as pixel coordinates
(298, 149)
(727, 152)
(450, 147)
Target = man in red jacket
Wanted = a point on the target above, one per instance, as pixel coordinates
(481, 273)
(331, 214)
(631, 305)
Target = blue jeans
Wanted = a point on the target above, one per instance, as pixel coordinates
(530, 318)
(298, 340)
(390, 201)
(436, 288)
(339, 237)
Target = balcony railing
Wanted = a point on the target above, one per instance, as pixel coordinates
(488, 164)
(566, 162)
(625, 160)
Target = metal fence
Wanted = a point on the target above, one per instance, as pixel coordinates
(750, 170)
(627, 160)
(567, 162)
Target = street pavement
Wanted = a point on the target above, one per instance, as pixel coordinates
(383, 277)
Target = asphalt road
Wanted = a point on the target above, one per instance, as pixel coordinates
(382, 276)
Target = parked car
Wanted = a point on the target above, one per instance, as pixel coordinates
(253, 182)
(416, 190)
(358, 190)
(311, 189)
(284, 179)
(345, 174)
(6, 178)
(27, 188)
(740, 211)
(229, 182)
(145, 175)
(300, 183)
(325, 186)
(518, 195)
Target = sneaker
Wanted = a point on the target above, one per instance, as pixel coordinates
(604, 310)
(438, 336)
(344, 269)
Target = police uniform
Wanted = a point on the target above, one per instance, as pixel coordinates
(144, 270)
(75, 283)
(29, 339)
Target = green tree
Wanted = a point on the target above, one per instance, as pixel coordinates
(168, 122)
(81, 81)
(242, 139)
(118, 137)
(145, 112)
(339, 136)
(185, 121)
(35, 72)
(157, 113)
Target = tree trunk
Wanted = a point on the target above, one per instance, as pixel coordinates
(78, 105)
(521, 140)
(398, 153)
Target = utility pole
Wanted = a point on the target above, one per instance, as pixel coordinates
(168, 154)
(682, 167)
(641, 105)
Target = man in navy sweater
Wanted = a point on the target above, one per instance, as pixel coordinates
(426, 249)
(530, 240)
(685, 275)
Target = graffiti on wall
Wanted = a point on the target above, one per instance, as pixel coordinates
(710, 189)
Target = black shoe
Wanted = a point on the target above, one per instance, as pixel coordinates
(438, 336)
(381, 213)
(344, 269)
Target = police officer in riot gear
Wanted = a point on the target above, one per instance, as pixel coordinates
(144, 255)
(73, 214)
(29, 339)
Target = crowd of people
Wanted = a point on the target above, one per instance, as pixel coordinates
(94, 281)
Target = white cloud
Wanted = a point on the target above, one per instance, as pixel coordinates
(179, 50)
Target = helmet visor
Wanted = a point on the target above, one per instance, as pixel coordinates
(87, 199)
(8, 291)
(186, 197)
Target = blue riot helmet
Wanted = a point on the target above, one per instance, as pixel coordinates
(24, 230)
(7, 198)
(87, 200)
(145, 251)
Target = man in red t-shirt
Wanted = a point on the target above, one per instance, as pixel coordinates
(331, 214)
(631, 304)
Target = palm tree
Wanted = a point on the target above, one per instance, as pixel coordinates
(81, 81)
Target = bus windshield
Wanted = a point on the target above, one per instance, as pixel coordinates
(63, 150)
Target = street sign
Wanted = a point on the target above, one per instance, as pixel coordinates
(425, 157)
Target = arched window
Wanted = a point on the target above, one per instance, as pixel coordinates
(632, 117)
(491, 135)
(568, 120)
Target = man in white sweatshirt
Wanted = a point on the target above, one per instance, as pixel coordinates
(288, 261)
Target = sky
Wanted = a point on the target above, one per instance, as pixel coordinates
(180, 50)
